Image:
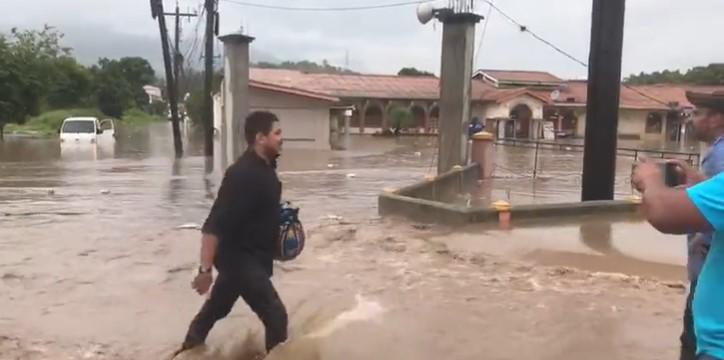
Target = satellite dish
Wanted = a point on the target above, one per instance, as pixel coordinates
(555, 95)
(425, 13)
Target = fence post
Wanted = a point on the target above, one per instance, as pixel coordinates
(535, 161)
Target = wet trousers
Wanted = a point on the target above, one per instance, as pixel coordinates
(251, 283)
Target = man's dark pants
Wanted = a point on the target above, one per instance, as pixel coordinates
(688, 338)
(251, 283)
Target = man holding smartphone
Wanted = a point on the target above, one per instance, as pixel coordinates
(696, 208)
(708, 125)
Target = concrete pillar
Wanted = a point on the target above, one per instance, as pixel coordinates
(236, 88)
(362, 115)
(385, 115)
(458, 37)
(483, 153)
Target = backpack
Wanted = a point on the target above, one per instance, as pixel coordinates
(291, 233)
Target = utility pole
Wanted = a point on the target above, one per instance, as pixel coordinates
(157, 12)
(211, 18)
(604, 90)
(458, 45)
(178, 57)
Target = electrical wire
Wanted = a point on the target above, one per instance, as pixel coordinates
(482, 35)
(348, 8)
(524, 28)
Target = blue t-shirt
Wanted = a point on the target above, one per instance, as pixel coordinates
(708, 308)
(713, 164)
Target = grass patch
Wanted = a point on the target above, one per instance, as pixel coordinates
(137, 117)
(48, 123)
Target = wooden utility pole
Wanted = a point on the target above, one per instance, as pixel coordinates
(211, 17)
(157, 12)
(178, 57)
(604, 90)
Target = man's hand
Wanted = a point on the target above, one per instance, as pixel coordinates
(202, 282)
(688, 176)
(645, 174)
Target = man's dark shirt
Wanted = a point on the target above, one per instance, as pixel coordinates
(245, 215)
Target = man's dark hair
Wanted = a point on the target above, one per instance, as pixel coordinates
(258, 122)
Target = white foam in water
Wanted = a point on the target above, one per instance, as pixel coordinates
(365, 310)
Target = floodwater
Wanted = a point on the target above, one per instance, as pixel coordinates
(97, 247)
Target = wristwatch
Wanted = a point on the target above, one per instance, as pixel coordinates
(203, 270)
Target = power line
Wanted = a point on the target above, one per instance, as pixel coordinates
(524, 28)
(482, 35)
(348, 8)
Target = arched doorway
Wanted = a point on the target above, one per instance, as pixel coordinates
(522, 115)
(569, 124)
(433, 126)
(418, 118)
(373, 116)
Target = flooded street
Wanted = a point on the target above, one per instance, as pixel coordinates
(97, 248)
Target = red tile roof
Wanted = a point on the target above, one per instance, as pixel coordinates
(676, 93)
(572, 93)
(521, 76)
(292, 91)
(361, 86)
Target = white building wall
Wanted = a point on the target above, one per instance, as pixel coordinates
(305, 122)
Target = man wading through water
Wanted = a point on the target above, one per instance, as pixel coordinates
(240, 238)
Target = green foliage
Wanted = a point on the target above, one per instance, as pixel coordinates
(401, 118)
(712, 74)
(119, 84)
(411, 71)
(37, 73)
(137, 117)
(26, 62)
(305, 66)
(49, 122)
(71, 84)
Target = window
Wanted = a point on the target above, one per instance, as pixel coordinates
(79, 127)
(654, 123)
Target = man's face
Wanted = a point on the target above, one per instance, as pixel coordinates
(705, 122)
(272, 143)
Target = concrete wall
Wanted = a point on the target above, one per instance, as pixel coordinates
(305, 122)
(630, 122)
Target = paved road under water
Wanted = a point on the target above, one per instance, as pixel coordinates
(95, 266)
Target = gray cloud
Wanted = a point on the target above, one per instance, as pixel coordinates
(659, 33)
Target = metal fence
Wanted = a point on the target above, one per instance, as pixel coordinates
(692, 158)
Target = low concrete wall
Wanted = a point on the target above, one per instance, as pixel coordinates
(446, 187)
(425, 202)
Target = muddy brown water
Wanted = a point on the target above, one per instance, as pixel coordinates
(94, 263)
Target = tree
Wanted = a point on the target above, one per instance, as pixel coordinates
(712, 74)
(119, 84)
(401, 117)
(71, 84)
(411, 71)
(305, 66)
(26, 59)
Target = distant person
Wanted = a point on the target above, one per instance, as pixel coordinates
(697, 207)
(475, 127)
(708, 125)
(240, 238)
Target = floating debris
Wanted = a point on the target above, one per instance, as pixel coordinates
(105, 192)
(189, 226)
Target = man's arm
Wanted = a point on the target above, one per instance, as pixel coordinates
(671, 211)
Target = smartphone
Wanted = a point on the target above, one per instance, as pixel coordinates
(671, 176)
(668, 171)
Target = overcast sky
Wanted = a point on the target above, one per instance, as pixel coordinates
(659, 34)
